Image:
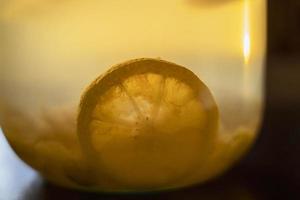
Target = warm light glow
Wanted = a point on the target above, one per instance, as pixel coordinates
(246, 38)
(246, 47)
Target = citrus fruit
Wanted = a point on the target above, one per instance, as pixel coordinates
(147, 123)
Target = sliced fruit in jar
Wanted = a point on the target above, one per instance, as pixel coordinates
(146, 123)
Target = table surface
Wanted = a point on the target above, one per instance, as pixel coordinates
(270, 171)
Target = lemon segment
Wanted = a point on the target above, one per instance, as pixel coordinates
(147, 123)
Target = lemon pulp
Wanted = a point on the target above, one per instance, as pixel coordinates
(147, 123)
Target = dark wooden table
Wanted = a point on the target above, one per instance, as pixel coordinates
(270, 171)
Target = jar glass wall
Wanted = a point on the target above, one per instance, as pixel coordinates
(52, 50)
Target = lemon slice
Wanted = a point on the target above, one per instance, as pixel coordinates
(147, 123)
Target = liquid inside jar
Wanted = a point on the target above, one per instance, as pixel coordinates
(51, 51)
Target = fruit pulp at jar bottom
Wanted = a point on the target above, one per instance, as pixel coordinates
(52, 148)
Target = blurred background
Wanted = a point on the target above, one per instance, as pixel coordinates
(270, 171)
(275, 159)
(278, 149)
(276, 155)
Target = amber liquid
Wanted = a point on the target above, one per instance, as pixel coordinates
(53, 49)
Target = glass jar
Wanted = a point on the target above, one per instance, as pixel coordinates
(52, 50)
